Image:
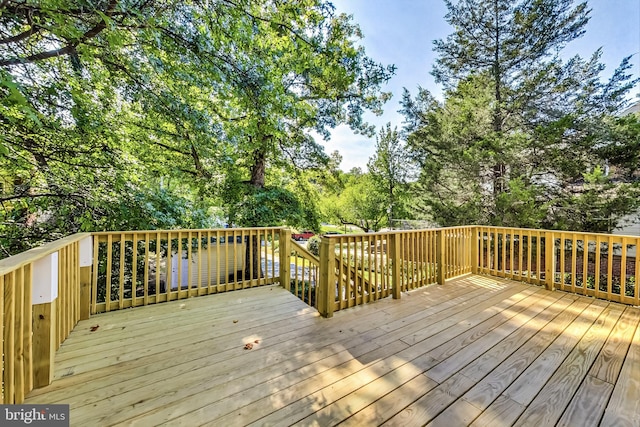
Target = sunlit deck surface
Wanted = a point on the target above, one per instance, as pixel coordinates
(478, 350)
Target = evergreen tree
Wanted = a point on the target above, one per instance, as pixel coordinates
(521, 133)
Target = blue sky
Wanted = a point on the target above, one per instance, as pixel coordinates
(401, 32)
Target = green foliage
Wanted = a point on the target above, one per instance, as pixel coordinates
(452, 143)
(520, 205)
(390, 172)
(272, 207)
(156, 209)
(100, 101)
(359, 204)
(313, 245)
(520, 134)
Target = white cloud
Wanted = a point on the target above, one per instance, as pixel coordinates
(355, 149)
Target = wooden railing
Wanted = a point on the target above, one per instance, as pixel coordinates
(44, 292)
(456, 257)
(360, 268)
(131, 269)
(41, 294)
(304, 273)
(604, 266)
(417, 258)
(517, 254)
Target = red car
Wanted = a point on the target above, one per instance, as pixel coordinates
(303, 235)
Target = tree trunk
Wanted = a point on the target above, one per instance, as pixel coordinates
(258, 169)
(257, 181)
(499, 168)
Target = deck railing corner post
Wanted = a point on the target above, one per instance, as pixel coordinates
(44, 298)
(549, 260)
(396, 265)
(325, 293)
(440, 255)
(86, 263)
(284, 251)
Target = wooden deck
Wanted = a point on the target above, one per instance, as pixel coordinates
(477, 351)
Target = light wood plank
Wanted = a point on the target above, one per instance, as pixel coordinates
(370, 393)
(432, 403)
(588, 404)
(239, 400)
(460, 413)
(9, 336)
(487, 362)
(371, 322)
(18, 345)
(557, 394)
(300, 408)
(391, 403)
(459, 299)
(624, 407)
(199, 328)
(609, 362)
(121, 333)
(458, 354)
(461, 313)
(498, 349)
(525, 388)
(484, 364)
(452, 386)
(499, 414)
(491, 386)
(288, 410)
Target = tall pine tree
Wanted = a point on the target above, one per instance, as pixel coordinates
(521, 134)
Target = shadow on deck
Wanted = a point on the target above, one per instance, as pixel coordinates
(477, 350)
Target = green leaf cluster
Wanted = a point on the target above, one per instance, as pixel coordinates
(119, 114)
(523, 138)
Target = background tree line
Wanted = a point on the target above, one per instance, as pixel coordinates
(140, 114)
(134, 114)
(523, 138)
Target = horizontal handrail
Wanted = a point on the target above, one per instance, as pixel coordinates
(305, 271)
(183, 230)
(40, 303)
(132, 268)
(17, 261)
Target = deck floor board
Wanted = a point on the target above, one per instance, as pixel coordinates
(476, 351)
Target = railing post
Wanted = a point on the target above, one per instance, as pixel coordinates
(284, 251)
(86, 261)
(44, 296)
(396, 265)
(474, 249)
(440, 255)
(549, 259)
(326, 287)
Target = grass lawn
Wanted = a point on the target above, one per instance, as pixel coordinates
(340, 229)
